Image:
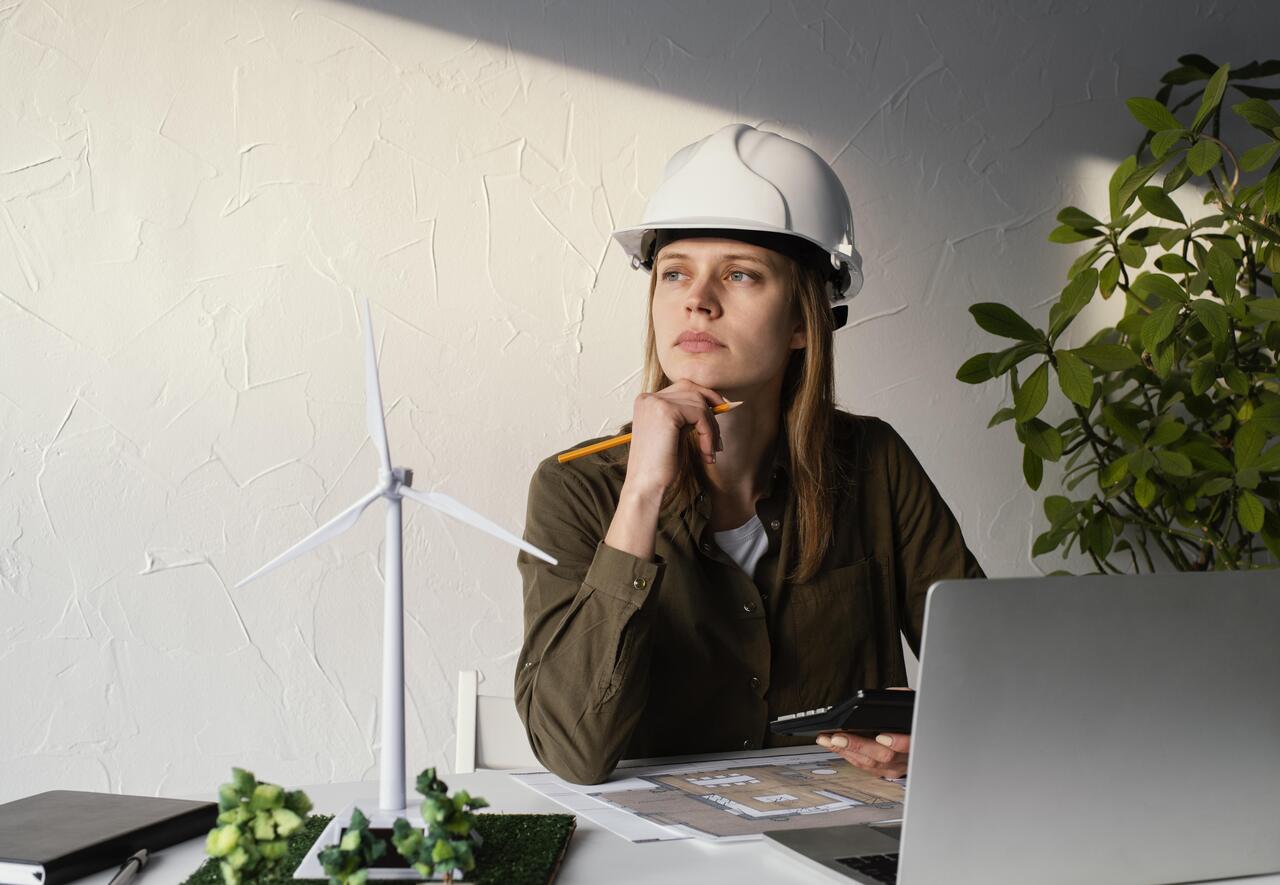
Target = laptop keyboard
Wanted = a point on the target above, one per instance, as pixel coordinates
(881, 867)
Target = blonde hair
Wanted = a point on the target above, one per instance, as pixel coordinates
(808, 412)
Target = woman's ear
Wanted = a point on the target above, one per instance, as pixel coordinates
(799, 337)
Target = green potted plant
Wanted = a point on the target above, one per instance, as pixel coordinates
(1166, 447)
(255, 822)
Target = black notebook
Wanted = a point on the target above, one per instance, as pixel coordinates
(65, 834)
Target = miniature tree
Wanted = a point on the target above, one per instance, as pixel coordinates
(255, 821)
(447, 844)
(348, 862)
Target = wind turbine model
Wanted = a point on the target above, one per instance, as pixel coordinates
(393, 485)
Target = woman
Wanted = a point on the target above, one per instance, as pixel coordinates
(723, 570)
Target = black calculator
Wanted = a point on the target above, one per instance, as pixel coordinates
(870, 711)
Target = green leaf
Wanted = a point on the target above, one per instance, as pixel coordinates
(1006, 359)
(1144, 490)
(1159, 325)
(1114, 472)
(1207, 456)
(1108, 357)
(1045, 543)
(1174, 463)
(1271, 192)
(1131, 253)
(1202, 377)
(1001, 416)
(1152, 114)
(1140, 176)
(1265, 309)
(1073, 299)
(1203, 156)
(1108, 277)
(1066, 234)
(1259, 114)
(1172, 263)
(1075, 378)
(1257, 157)
(1212, 96)
(1165, 139)
(1250, 512)
(1042, 439)
(1126, 168)
(1158, 203)
(1176, 177)
(1032, 468)
(1099, 536)
(1079, 219)
(1268, 461)
(1247, 445)
(1163, 287)
(976, 369)
(1032, 395)
(1236, 381)
(1086, 260)
(1211, 488)
(1222, 270)
(1163, 356)
(1167, 432)
(1213, 316)
(1001, 320)
(1058, 509)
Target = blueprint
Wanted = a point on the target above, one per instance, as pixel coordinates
(728, 799)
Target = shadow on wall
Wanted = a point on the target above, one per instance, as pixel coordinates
(962, 123)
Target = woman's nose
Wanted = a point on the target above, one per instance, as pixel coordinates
(702, 298)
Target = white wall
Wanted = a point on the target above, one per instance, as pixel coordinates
(197, 194)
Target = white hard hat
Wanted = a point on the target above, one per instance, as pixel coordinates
(760, 187)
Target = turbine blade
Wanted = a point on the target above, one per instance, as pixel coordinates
(331, 529)
(373, 395)
(463, 513)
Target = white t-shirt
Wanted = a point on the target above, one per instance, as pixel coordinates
(745, 544)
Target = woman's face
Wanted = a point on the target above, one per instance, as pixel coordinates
(736, 293)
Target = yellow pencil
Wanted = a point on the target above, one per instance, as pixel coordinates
(626, 437)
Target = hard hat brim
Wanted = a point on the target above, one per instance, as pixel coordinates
(631, 238)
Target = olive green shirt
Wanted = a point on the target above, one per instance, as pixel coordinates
(629, 658)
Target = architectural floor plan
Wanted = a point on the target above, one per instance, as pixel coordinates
(729, 798)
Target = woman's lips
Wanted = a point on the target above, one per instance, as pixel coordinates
(697, 342)
(698, 345)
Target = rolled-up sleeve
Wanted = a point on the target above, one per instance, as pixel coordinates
(582, 679)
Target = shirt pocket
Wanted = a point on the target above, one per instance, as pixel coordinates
(830, 628)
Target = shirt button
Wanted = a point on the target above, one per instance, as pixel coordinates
(639, 583)
(746, 745)
(748, 607)
(775, 524)
(755, 681)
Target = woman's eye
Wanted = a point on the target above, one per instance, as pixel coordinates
(740, 276)
(670, 275)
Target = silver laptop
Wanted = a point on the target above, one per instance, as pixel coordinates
(1090, 729)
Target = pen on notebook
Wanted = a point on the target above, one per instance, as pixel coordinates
(626, 437)
(130, 868)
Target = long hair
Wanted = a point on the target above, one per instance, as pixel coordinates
(808, 410)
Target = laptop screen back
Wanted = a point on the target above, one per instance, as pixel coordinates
(1097, 729)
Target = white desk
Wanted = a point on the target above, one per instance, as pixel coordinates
(595, 855)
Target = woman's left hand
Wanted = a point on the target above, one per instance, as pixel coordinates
(885, 754)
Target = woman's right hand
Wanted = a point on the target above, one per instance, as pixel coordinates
(659, 421)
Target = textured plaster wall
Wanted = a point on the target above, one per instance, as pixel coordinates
(195, 196)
